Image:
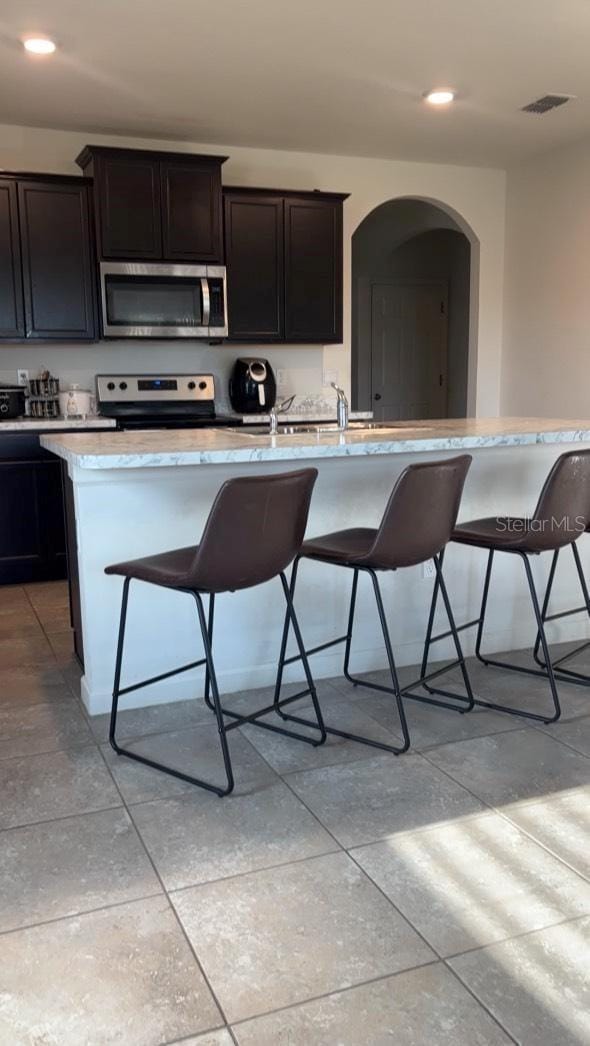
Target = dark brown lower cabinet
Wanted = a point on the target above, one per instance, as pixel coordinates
(32, 530)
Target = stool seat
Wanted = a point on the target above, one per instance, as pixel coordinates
(342, 546)
(170, 569)
(501, 532)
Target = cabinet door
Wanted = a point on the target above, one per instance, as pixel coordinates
(255, 266)
(12, 324)
(128, 199)
(191, 211)
(32, 532)
(313, 270)
(57, 267)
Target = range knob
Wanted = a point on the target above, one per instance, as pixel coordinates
(191, 385)
(110, 386)
(202, 384)
(4, 408)
(123, 386)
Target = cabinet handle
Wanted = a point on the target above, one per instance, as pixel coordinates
(377, 395)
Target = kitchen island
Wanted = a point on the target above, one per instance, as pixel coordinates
(132, 494)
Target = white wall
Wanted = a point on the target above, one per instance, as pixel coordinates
(476, 194)
(546, 355)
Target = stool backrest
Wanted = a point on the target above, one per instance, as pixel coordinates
(421, 513)
(255, 529)
(563, 510)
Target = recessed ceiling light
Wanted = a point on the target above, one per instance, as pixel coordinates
(39, 45)
(440, 96)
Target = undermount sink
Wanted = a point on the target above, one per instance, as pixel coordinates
(329, 428)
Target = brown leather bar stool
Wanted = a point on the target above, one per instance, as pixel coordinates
(254, 531)
(560, 518)
(416, 526)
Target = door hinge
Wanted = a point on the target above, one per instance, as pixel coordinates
(442, 307)
(441, 380)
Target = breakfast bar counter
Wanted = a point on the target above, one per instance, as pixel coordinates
(131, 494)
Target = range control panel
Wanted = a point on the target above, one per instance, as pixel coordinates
(154, 388)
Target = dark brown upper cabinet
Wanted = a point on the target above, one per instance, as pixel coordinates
(313, 270)
(254, 253)
(283, 253)
(47, 288)
(12, 316)
(153, 206)
(58, 274)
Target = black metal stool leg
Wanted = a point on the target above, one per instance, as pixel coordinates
(304, 659)
(118, 663)
(566, 675)
(458, 648)
(394, 749)
(484, 604)
(214, 690)
(254, 717)
(284, 641)
(210, 621)
(547, 674)
(351, 612)
(118, 691)
(545, 606)
(431, 616)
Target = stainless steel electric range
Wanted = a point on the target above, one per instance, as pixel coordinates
(149, 401)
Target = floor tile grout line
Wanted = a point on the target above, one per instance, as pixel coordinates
(56, 820)
(170, 903)
(333, 991)
(544, 846)
(526, 802)
(81, 913)
(517, 936)
(251, 871)
(479, 1002)
(566, 744)
(192, 1038)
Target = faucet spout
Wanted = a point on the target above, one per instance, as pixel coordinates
(341, 408)
(273, 414)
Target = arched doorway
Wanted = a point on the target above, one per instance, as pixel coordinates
(414, 311)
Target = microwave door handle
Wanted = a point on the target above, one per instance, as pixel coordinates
(206, 301)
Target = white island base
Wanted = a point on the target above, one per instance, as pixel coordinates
(136, 494)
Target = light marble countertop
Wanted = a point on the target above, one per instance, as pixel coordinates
(167, 447)
(49, 424)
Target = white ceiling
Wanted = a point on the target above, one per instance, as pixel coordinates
(315, 75)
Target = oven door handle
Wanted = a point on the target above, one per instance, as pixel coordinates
(206, 301)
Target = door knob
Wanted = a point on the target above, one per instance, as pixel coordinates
(377, 395)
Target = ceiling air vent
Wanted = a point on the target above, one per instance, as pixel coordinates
(547, 102)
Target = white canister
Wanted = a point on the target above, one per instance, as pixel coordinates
(76, 402)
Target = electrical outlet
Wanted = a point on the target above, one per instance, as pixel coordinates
(22, 376)
(428, 569)
(281, 378)
(329, 377)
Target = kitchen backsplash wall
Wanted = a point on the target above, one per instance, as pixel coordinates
(298, 372)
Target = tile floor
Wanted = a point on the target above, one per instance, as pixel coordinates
(340, 897)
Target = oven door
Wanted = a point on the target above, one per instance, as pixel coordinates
(143, 300)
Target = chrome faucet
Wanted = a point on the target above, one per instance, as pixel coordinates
(341, 408)
(273, 415)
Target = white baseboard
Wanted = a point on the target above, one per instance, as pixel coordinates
(324, 666)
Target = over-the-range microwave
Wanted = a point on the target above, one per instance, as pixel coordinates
(161, 300)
